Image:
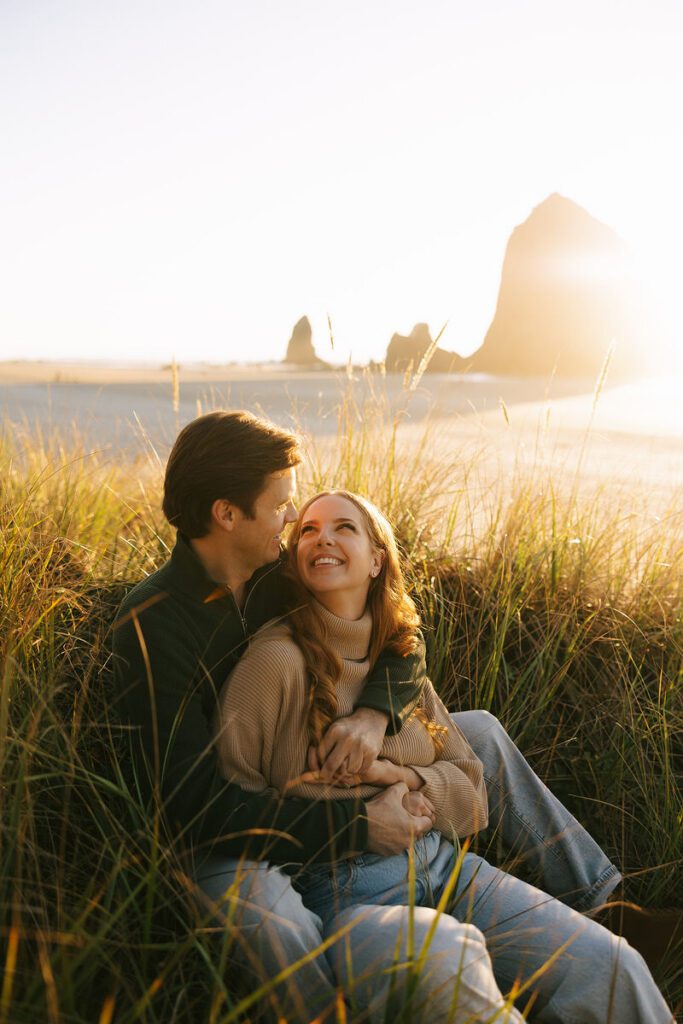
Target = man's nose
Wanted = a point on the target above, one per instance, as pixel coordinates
(291, 513)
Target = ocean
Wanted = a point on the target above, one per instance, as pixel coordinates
(125, 415)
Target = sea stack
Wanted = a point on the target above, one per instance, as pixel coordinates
(567, 291)
(300, 349)
(406, 351)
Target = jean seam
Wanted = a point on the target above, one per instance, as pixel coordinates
(587, 900)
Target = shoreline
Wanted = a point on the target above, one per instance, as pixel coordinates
(644, 413)
(25, 371)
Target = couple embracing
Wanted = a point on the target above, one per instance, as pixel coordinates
(317, 785)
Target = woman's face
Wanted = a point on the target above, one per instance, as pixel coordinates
(335, 554)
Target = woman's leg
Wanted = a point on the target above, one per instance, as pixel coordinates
(533, 823)
(579, 972)
(379, 939)
(374, 961)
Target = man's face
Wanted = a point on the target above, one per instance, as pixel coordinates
(259, 538)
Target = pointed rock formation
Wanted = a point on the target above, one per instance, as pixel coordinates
(300, 349)
(567, 289)
(406, 351)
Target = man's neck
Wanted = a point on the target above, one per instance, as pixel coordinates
(221, 568)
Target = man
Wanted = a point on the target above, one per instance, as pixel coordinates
(229, 490)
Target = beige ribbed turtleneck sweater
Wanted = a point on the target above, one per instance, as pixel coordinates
(262, 733)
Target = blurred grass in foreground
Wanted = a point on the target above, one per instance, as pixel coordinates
(561, 613)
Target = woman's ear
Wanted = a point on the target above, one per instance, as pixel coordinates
(377, 562)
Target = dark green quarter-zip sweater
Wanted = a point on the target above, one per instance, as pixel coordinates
(175, 640)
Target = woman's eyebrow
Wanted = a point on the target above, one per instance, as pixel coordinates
(340, 519)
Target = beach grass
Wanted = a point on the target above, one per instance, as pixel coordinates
(559, 611)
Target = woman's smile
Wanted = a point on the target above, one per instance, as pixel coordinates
(334, 537)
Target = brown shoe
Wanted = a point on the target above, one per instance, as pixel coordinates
(656, 934)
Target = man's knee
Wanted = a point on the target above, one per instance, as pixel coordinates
(251, 895)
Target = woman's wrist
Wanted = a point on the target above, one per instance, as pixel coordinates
(411, 778)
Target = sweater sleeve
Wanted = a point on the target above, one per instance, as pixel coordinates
(264, 696)
(159, 685)
(394, 685)
(455, 782)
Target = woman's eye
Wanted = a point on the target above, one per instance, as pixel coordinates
(306, 529)
(349, 526)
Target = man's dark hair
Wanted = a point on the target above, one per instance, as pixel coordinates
(223, 455)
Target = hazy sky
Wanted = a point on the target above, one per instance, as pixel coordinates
(190, 179)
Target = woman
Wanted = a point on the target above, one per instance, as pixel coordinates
(349, 603)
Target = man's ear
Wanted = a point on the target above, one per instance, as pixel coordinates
(224, 514)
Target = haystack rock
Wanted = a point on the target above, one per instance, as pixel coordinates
(567, 290)
(406, 351)
(300, 346)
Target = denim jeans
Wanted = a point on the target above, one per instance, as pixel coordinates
(578, 972)
(533, 823)
(277, 929)
(272, 930)
(370, 958)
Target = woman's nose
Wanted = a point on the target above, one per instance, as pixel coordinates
(325, 537)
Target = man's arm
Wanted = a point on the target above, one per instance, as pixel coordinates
(159, 682)
(394, 685)
(390, 693)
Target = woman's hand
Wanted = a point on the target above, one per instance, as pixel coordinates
(385, 773)
(417, 804)
(380, 773)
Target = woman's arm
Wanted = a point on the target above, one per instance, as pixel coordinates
(158, 694)
(454, 782)
(260, 699)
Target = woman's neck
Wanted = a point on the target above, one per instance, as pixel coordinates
(343, 605)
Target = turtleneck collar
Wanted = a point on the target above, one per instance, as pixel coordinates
(351, 637)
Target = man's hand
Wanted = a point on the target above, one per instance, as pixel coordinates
(391, 827)
(349, 746)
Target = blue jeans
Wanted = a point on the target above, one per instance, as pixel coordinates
(533, 823)
(369, 957)
(270, 929)
(277, 929)
(595, 977)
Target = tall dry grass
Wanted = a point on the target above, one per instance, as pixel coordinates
(560, 612)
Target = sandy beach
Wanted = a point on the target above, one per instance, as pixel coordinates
(631, 436)
(24, 371)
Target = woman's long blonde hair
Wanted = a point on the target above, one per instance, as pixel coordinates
(395, 622)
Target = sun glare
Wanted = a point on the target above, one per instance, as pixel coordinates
(661, 295)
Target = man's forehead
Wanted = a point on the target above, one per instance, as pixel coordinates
(283, 481)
